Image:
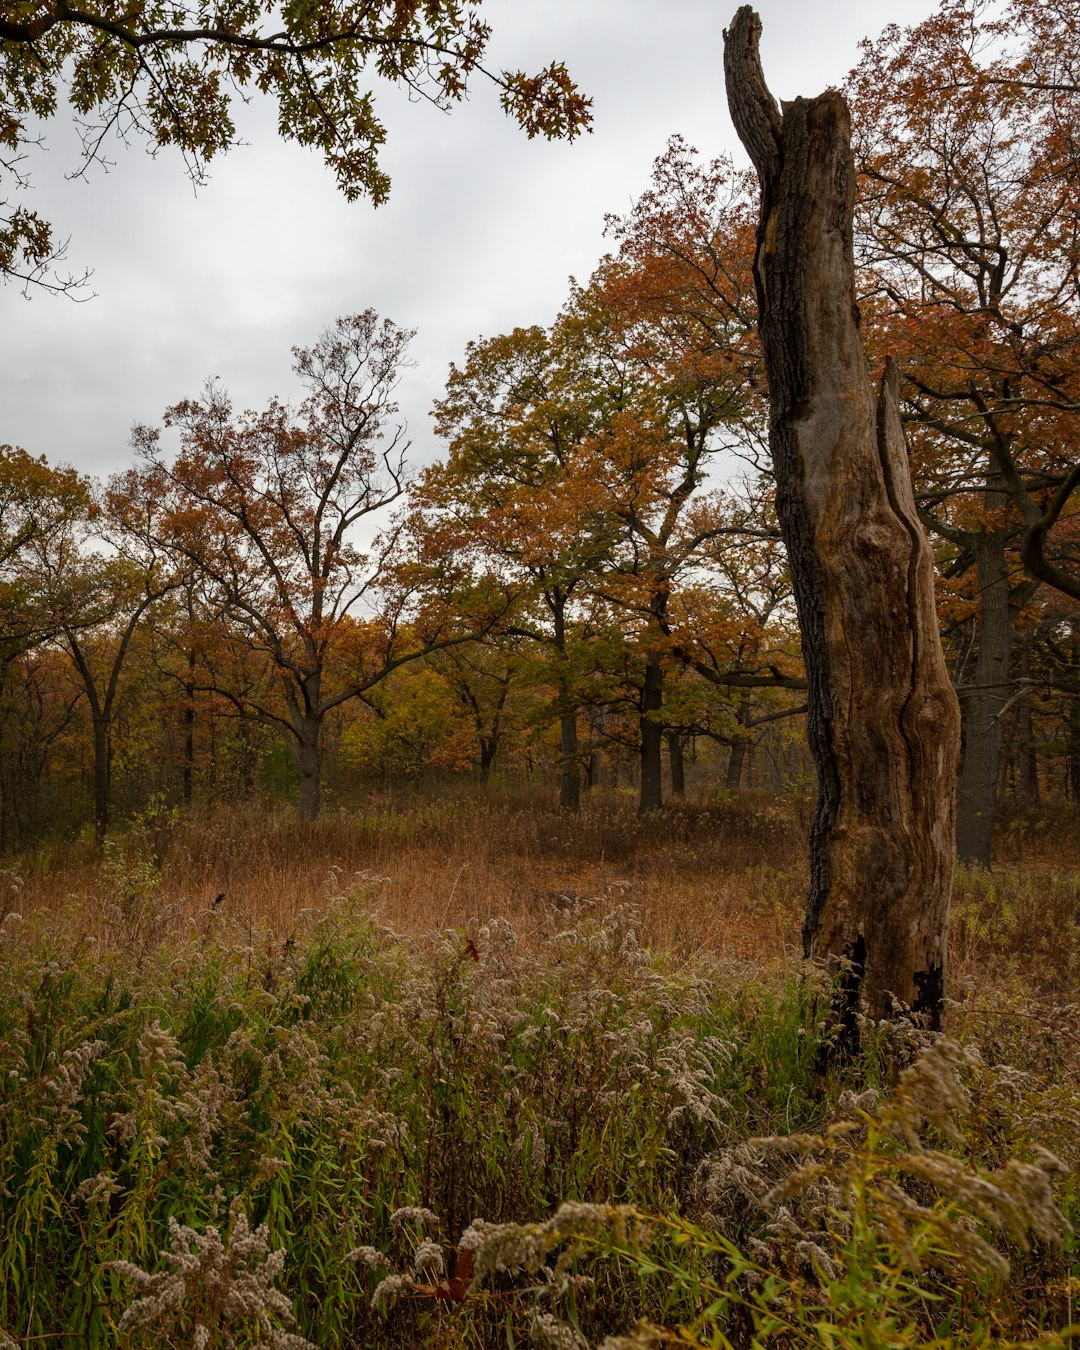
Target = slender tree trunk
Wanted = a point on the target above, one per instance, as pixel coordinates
(983, 703)
(101, 776)
(569, 765)
(595, 722)
(882, 716)
(652, 736)
(569, 769)
(189, 729)
(739, 747)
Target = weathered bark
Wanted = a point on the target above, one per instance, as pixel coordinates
(984, 701)
(882, 717)
(733, 781)
(651, 731)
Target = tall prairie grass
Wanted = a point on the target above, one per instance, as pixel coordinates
(722, 876)
(462, 1073)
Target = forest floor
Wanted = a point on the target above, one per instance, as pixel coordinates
(365, 1033)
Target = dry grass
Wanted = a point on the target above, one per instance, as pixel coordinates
(726, 877)
(207, 1029)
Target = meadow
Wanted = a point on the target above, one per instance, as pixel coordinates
(454, 1070)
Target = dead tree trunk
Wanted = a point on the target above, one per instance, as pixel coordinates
(882, 718)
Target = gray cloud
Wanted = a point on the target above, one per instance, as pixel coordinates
(482, 230)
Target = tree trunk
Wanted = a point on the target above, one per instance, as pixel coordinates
(569, 767)
(309, 762)
(652, 736)
(983, 703)
(569, 770)
(739, 747)
(733, 781)
(677, 763)
(189, 729)
(101, 777)
(882, 717)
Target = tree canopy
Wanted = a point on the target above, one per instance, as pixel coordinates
(168, 73)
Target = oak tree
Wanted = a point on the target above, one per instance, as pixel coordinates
(515, 416)
(966, 222)
(267, 509)
(650, 462)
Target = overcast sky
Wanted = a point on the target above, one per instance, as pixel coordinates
(482, 230)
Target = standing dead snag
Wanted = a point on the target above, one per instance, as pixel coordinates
(883, 721)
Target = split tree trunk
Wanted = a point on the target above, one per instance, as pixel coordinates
(882, 718)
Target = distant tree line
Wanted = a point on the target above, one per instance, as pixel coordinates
(594, 566)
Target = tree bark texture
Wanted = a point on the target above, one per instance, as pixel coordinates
(984, 702)
(882, 720)
(309, 763)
